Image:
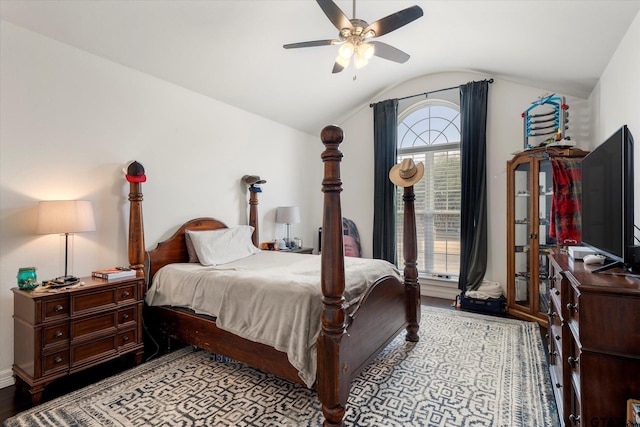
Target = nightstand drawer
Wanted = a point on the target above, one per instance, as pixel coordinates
(56, 361)
(55, 335)
(56, 309)
(126, 316)
(127, 338)
(93, 325)
(89, 301)
(127, 293)
(91, 350)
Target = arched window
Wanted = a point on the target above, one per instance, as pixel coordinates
(429, 132)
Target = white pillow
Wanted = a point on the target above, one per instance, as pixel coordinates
(215, 247)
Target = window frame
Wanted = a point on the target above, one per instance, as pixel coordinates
(424, 149)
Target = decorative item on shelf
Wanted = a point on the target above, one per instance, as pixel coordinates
(65, 217)
(288, 215)
(550, 119)
(27, 278)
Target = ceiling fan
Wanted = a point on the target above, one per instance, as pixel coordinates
(355, 36)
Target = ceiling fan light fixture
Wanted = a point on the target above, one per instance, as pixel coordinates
(366, 50)
(344, 62)
(346, 50)
(359, 60)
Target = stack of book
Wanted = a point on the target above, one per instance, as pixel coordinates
(114, 273)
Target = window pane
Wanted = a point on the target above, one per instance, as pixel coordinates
(421, 135)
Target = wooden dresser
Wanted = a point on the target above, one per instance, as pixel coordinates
(63, 332)
(593, 342)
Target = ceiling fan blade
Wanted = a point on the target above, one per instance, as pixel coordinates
(391, 53)
(311, 44)
(335, 14)
(395, 20)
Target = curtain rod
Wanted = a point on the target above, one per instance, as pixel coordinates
(430, 92)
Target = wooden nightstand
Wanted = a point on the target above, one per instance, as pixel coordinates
(66, 331)
(302, 251)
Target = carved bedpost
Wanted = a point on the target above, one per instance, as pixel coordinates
(254, 181)
(136, 176)
(406, 174)
(333, 384)
(253, 215)
(410, 252)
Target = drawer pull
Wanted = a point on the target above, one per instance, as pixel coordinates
(125, 316)
(572, 307)
(558, 385)
(58, 307)
(125, 294)
(558, 337)
(573, 361)
(57, 359)
(58, 334)
(575, 419)
(125, 338)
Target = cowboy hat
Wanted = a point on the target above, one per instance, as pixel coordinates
(406, 173)
(252, 180)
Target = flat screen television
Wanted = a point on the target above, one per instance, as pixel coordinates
(607, 200)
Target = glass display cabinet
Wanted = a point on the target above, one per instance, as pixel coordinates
(529, 237)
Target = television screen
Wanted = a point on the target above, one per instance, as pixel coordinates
(607, 197)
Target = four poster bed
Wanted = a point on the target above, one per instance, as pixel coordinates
(355, 321)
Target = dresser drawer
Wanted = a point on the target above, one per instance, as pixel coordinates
(55, 361)
(572, 308)
(555, 339)
(57, 308)
(101, 323)
(55, 335)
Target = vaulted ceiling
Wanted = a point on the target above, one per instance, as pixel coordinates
(232, 50)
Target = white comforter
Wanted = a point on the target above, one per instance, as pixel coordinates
(270, 297)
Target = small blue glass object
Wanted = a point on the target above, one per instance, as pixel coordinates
(27, 278)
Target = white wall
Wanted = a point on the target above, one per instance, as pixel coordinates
(615, 101)
(71, 121)
(507, 101)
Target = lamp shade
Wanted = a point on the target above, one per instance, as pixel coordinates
(65, 216)
(288, 215)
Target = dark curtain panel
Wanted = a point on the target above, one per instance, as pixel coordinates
(385, 136)
(473, 210)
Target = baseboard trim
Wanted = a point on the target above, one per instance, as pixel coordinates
(6, 378)
(439, 291)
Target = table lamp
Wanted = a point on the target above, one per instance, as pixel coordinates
(288, 215)
(65, 217)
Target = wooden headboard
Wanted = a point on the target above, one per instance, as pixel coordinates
(174, 249)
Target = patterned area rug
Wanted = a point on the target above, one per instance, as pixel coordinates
(467, 370)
